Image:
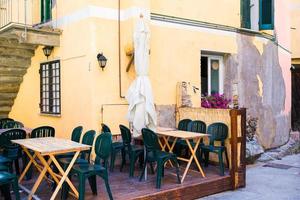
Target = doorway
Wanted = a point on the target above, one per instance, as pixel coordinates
(211, 75)
(295, 97)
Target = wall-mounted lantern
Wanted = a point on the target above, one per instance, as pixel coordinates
(101, 60)
(47, 51)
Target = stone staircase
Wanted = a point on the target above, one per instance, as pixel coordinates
(15, 58)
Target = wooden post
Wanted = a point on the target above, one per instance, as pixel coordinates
(238, 172)
(242, 170)
(233, 142)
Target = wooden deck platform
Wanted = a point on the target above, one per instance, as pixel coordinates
(127, 188)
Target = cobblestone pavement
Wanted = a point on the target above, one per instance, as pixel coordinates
(280, 180)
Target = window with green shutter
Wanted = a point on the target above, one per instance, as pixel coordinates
(266, 14)
(46, 10)
(245, 14)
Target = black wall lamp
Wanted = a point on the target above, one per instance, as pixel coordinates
(47, 51)
(101, 60)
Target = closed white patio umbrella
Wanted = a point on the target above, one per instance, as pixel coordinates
(141, 111)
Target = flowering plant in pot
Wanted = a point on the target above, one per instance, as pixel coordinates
(215, 100)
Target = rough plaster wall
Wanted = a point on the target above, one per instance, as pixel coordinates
(231, 77)
(255, 72)
(166, 116)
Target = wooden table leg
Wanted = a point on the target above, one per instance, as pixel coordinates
(40, 178)
(163, 146)
(166, 139)
(193, 156)
(47, 164)
(28, 165)
(32, 161)
(64, 175)
(170, 147)
(173, 145)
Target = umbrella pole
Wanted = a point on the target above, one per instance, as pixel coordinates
(146, 163)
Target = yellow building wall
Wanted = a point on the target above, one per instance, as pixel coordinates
(295, 30)
(86, 89)
(224, 12)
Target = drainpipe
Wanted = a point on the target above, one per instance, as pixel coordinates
(119, 41)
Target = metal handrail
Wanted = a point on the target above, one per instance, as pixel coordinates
(16, 11)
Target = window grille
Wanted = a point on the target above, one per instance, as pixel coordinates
(50, 96)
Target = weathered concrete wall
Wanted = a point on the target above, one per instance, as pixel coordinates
(166, 115)
(261, 88)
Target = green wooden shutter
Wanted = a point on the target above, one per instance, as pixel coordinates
(266, 14)
(45, 10)
(245, 14)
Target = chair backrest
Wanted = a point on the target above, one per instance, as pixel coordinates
(88, 139)
(13, 124)
(218, 132)
(151, 142)
(12, 134)
(105, 128)
(183, 124)
(76, 134)
(4, 121)
(126, 134)
(197, 126)
(43, 131)
(103, 148)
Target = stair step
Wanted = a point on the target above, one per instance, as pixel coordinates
(11, 79)
(8, 96)
(3, 115)
(5, 109)
(14, 43)
(14, 61)
(6, 102)
(9, 88)
(11, 51)
(4, 70)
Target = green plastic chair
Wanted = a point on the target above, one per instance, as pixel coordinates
(4, 121)
(43, 131)
(103, 150)
(217, 132)
(154, 154)
(76, 135)
(4, 161)
(6, 179)
(13, 124)
(84, 157)
(133, 151)
(11, 150)
(182, 126)
(116, 147)
(4, 168)
(196, 126)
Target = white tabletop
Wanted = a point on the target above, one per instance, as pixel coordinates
(182, 134)
(51, 145)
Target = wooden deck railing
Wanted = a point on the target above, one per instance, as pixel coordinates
(238, 148)
(235, 119)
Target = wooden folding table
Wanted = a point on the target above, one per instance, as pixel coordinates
(185, 135)
(50, 146)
